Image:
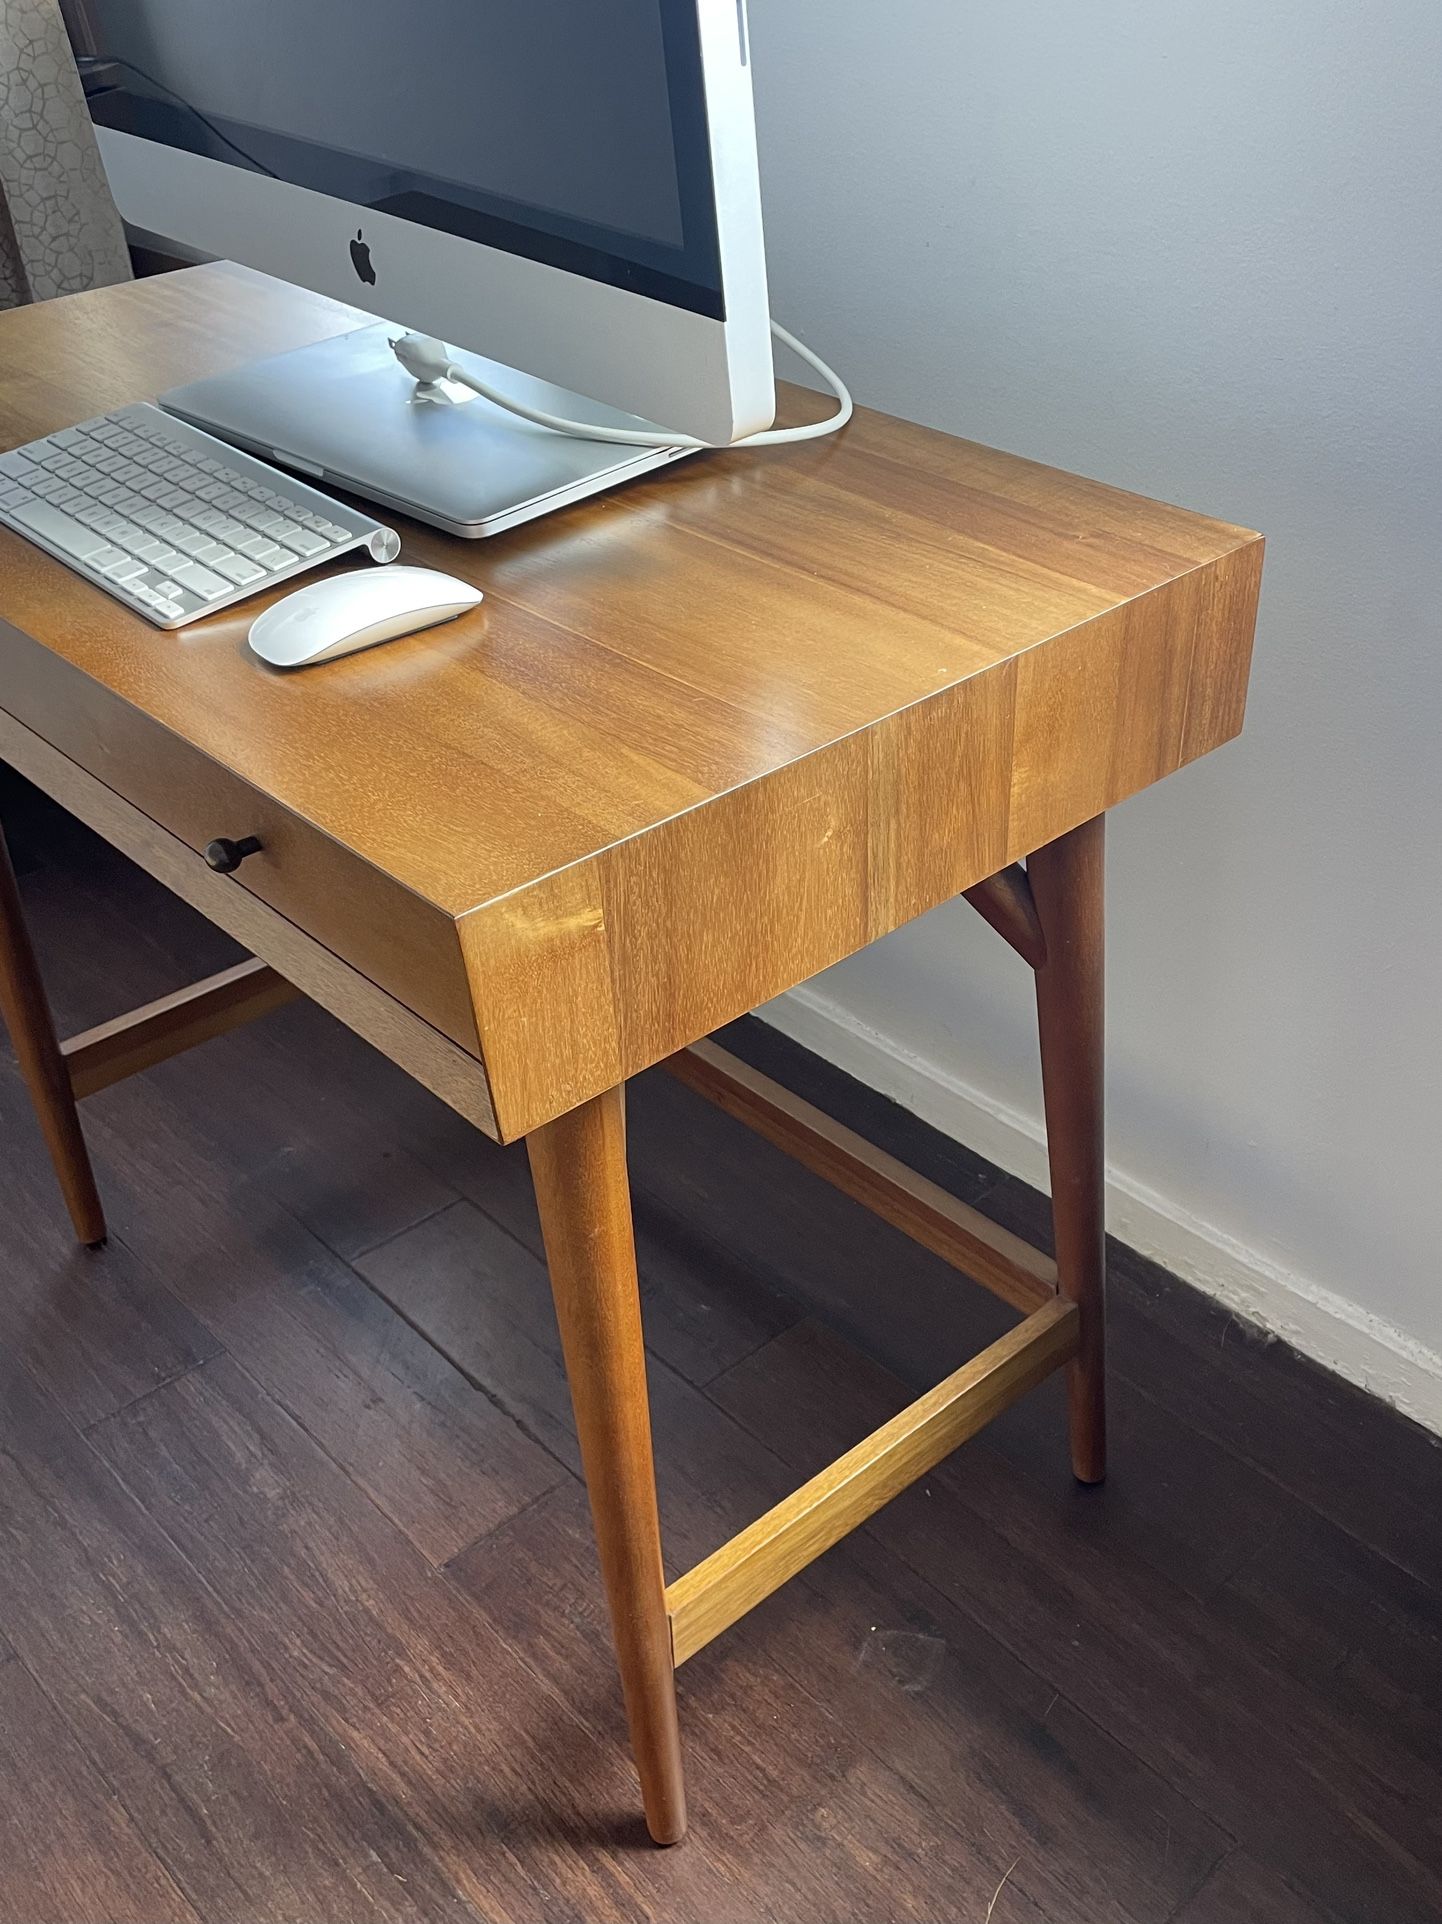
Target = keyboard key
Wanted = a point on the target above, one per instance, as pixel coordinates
(70, 537)
(169, 561)
(303, 540)
(239, 570)
(192, 575)
(124, 570)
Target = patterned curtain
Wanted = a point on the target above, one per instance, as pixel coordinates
(59, 231)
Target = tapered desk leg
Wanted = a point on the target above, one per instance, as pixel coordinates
(578, 1164)
(32, 1034)
(1067, 886)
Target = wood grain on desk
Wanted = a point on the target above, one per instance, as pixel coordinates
(705, 736)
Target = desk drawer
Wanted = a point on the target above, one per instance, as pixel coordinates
(404, 944)
(449, 1072)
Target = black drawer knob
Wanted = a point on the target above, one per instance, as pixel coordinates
(225, 856)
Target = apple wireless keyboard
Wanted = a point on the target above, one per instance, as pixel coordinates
(168, 519)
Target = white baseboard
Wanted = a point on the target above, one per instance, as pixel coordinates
(1334, 1332)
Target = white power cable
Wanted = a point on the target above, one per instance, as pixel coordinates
(426, 359)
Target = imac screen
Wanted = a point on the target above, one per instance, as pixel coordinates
(570, 131)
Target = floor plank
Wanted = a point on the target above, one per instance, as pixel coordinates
(726, 1189)
(97, 1327)
(482, 1755)
(1239, 1891)
(1339, 1617)
(1196, 1517)
(485, 1301)
(170, 1697)
(436, 1454)
(69, 1851)
(706, 1304)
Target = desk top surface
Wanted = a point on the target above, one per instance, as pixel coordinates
(726, 624)
(635, 656)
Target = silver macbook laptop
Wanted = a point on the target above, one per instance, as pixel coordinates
(345, 412)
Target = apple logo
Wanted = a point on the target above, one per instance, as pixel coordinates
(360, 260)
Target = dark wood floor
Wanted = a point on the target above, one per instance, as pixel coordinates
(298, 1615)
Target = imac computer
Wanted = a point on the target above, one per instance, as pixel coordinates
(564, 192)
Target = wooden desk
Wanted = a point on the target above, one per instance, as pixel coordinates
(704, 737)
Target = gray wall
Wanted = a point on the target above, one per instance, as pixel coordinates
(1194, 249)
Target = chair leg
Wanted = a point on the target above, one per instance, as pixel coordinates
(578, 1164)
(32, 1034)
(1067, 886)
